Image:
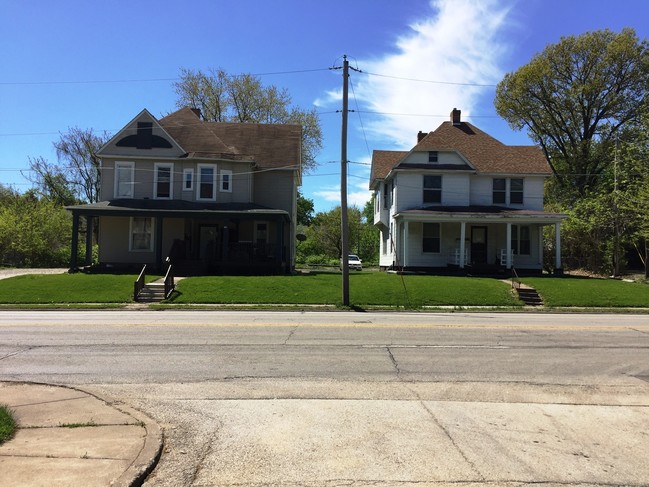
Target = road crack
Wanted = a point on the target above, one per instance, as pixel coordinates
(290, 334)
(17, 352)
(394, 362)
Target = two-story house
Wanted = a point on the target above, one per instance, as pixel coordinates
(212, 197)
(460, 199)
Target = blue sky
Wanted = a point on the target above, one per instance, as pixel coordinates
(75, 63)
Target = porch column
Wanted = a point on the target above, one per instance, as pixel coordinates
(558, 268)
(280, 242)
(226, 244)
(89, 225)
(404, 245)
(75, 241)
(540, 230)
(462, 244)
(158, 243)
(508, 258)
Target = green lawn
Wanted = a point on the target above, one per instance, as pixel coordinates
(368, 288)
(68, 288)
(589, 292)
(7, 424)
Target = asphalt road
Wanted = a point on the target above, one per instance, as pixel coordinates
(274, 398)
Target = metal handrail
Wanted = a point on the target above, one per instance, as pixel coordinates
(169, 282)
(516, 281)
(139, 283)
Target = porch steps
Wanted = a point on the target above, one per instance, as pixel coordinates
(153, 292)
(529, 296)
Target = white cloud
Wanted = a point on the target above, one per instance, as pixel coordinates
(457, 42)
(357, 194)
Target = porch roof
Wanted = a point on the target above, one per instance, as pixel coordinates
(478, 213)
(176, 208)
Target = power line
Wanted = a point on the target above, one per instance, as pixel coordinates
(481, 85)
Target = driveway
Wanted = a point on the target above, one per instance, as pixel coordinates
(12, 272)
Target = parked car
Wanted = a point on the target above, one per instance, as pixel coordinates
(354, 262)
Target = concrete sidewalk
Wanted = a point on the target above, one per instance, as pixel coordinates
(67, 437)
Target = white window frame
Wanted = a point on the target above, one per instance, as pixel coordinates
(156, 167)
(188, 171)
(130, 234)
(432, 190)
(119, 166)
(228, 173)
(199, 178)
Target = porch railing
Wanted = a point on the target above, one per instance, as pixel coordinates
(454, 256)
(139, 283)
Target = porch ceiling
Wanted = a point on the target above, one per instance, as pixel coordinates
(478, 214)
(175, 208)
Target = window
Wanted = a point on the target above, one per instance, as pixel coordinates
(516, 191)
(163, 181)
(226, 181)
(188, 179)
(500, 187)
(386, 196)
(431, 242)
(432, 156)
(206, 182)
(499, 191)
(141, 234)
(521, 240)
(432, 189)
(124, 172)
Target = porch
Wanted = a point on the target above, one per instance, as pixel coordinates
(197, 239)
(466, 240)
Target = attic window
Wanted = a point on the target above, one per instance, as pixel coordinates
(144, 138)
(432, 156)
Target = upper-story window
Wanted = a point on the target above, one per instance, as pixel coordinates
(516, 191)
(124, 179)
(206, 182)
(226, 181)
(432, 156)
(163, 180)
(501, 193)
(432, 189)
(188, 179)
(386, 196)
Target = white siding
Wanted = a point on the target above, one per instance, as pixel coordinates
(442, 158)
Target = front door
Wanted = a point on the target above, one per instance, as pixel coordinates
(479, 245)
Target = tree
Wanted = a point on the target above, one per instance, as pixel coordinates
(75, 177)
(575, 97)
(305, 210)
(222, 97)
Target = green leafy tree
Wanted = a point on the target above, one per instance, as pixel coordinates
(305, 210)
(574, 98)
(223, 97)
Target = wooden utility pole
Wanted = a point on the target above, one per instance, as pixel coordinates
(344, 224)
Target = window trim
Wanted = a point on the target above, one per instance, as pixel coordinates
(521, 192)
(124, 165)
(501, 192)
(517, 239)
(156, 167)
(437, 191)
(228, 173)
(199, 182)
(433, 157)
(130, 234)
(438, 238)
(188, 171)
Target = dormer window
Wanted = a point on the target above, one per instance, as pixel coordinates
(432, 156)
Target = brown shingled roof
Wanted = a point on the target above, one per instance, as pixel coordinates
(485, 153)
(269, 145)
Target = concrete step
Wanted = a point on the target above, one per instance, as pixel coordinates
(529, 296)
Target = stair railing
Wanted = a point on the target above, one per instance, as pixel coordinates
(516, 281)
(139, 283)
(169, 280)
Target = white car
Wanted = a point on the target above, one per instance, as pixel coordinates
(354, 262)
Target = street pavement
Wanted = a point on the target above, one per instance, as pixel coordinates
(468, 400)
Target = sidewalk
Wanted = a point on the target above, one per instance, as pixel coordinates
(67, 437)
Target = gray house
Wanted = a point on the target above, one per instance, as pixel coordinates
(212, 197)
(462, 200)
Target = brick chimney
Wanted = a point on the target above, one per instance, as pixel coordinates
(421, 135)
(455, 116)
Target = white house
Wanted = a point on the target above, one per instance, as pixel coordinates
(461, 199)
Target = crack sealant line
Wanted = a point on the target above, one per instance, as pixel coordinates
(17, 352)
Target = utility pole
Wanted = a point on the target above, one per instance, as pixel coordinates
(344, 224)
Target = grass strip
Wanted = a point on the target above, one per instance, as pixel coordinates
(7, 424)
